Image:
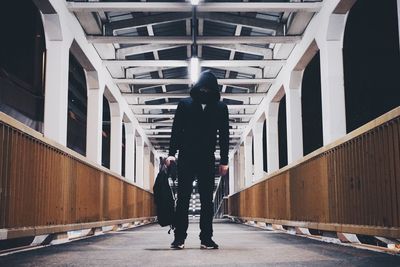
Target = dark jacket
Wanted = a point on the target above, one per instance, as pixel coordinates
(194, 131)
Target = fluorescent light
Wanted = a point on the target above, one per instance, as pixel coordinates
(195, 2)
(194, 69)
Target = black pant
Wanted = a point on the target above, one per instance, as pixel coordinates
(202, 167)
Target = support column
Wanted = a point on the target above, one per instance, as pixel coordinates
(330, 43)
(294, 122)
(231, 175)
(248, 166)
(146, 167)
(272, 137)
(56, 91)
(94, 125)
(116, 137)
(258, 150)
(139, 160)
(129, 151)
(398, 19)
(242, 162)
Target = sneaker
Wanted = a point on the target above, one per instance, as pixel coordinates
(208, 244)
(178, 243)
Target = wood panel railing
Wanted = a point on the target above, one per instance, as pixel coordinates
(351, 186)
(45, 187)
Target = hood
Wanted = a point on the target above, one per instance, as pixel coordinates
(207, 79)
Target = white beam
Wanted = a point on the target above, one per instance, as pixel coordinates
(188, 81)
(248, 49)
(185, 63)
(169, 124)
(150, 136)
(182, 95)
(187, 40)
(246, 70)
(159, 116)
(141, 49)
(187, 7)
(174, 106)
(168, 130)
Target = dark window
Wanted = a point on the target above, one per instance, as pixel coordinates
(371, 65)
(283, 161)
(22, 61)
(105, 151)
(311, 106)
(77, 107)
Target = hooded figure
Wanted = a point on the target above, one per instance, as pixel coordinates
(194, 134)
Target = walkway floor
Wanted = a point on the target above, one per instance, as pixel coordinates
(240, 245)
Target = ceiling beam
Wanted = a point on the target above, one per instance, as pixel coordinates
(266, 52)
(143, 21)
(188, 81)
(187, 7)
(169, 124)
(141, 49)
(237, 20)
(160, 116)
(185, 63)
(182, 95)
(187, 40)
(150, 136)
(174, 106)
(130, 72)
(169, 130)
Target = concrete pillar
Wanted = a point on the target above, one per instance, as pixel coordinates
(232, 175)
(241, 163)
(398, 19)
(258, 150)
(146, 167)
(139, 160)
(248, 165)
(116, 137)
(129, 151)
(294, 122)
(237, 171)
(94, 125)
(272, 137)
(330, 42)
(56, 91)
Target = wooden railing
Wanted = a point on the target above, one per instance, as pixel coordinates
(350, 186)
(47, 188)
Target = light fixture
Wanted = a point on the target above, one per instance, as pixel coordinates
(194, 69)
(195, 2)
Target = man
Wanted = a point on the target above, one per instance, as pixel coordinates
(197, 120)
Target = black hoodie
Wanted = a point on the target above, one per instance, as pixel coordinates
(194, 130)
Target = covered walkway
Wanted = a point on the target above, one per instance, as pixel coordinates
(88, 95)
(240, 245)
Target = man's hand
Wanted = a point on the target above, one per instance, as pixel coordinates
(223, 170)
(169, 159)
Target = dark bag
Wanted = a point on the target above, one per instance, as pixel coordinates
(164, 196)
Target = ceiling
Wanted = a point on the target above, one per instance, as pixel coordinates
(147, 46)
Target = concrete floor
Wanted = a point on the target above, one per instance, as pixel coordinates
(240, 245)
